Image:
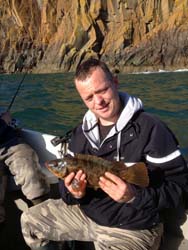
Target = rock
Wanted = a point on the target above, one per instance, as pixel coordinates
(130, 35)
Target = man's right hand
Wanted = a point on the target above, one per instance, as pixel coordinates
(6, 116)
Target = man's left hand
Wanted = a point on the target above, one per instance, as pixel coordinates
(116, 188)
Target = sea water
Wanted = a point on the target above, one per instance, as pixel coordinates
(49, 103)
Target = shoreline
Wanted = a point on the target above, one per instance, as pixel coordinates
(149, 71)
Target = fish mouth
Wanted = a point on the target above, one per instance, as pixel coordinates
(57, 167)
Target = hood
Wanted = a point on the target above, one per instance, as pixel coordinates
(131, 106)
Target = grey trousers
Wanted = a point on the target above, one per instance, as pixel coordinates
(23, 163)
(56, 221)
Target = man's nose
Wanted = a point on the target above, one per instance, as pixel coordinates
(98, 99)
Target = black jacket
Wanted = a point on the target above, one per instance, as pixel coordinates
(8, 135)
(143, 138)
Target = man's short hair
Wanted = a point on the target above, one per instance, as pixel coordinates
(86, 68)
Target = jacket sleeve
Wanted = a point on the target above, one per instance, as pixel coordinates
(3, 126)
(168, 171)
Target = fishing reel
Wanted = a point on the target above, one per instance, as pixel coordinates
(64, 140)
(14, 123)
(61, 139)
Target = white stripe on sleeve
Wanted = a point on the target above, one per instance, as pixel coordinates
(164, 159)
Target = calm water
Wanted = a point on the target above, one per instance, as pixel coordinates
(49, 103)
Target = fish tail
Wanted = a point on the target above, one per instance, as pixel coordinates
(137, 175)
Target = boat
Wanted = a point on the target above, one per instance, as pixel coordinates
(176, 227)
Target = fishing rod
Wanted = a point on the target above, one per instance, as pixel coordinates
(16, 93)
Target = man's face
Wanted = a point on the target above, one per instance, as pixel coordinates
(100, 95)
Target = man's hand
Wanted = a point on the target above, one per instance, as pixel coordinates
(6, 117)
(80, 178)
(116, 188)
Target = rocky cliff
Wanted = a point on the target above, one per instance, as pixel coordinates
(130, 35)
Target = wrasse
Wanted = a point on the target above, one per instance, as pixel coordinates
(94, 167)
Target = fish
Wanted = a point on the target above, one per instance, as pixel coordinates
(94, 167)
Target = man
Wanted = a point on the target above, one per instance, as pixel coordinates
(118, 215)
(22, 161)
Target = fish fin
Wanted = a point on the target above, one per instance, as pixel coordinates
(82, 156)
(90, 158)
(75, 185)
(137, 175)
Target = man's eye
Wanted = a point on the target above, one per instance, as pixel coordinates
(104, 90)
(89, 99)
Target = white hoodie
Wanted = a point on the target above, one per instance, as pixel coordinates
(91, 130)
